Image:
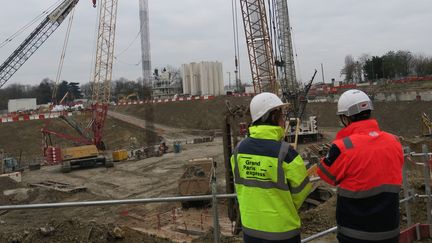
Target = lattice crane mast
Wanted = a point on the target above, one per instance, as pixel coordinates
(103, 67)
(35, 40)
(288, 78)
(259, 45)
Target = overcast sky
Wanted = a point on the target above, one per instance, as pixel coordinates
(196, 30)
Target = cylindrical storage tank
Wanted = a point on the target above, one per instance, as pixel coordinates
(221, 80)
(210, 78)
(215, 77)
(186, 78)
(197, 78)
(204, 78)
(194, 79)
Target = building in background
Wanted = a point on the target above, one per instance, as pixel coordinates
(16, 105)
(203, 78)
(166, 83)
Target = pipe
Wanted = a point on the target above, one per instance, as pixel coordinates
(318, 235)
(216, 229)
(420, 154)
(114, 202)
(425, 155)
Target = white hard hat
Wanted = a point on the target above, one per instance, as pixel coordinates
(263, 103)
(352, 102)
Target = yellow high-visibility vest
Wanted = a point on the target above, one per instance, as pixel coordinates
(271, 182)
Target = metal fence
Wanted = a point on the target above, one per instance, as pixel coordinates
(408, 196)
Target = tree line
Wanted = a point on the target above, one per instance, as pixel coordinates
(392, 65)
(43, 92)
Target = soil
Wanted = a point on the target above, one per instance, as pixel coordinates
(158, 177)
(399, 118)
(25, 137)
(77, 231)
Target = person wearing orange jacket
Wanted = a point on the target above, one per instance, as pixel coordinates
(365, 164)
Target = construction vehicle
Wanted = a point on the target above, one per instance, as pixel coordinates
(129, 97)
(89, 152)
(196, 179)
(9, 164)
(83, 156)
(35, 40)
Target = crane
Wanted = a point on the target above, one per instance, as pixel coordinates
(103, 68)
(90, 150)
(259, 45)
(264, 64)
(35, 40)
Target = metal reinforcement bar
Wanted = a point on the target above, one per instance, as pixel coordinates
(114, 202)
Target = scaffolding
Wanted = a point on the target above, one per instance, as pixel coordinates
(166, 83)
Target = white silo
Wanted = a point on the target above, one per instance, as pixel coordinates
(210, 78)
(204, 78)
(186, 78)
(215, 77)
(221, 79)
(196, 79)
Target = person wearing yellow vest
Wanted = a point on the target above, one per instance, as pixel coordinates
(271, 179)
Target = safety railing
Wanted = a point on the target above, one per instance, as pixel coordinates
(408, 196)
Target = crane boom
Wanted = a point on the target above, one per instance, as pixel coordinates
(288, 80)
(29, 46)
(103, 67)
(259, 45)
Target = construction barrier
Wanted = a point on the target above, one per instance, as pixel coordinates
(140, 102)
(28, 117)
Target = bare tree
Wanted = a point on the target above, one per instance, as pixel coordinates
(349, 69)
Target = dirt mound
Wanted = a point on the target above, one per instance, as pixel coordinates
(209, 237)
(198, 114)
(7, 183)
(27, 137)
(320, 218)
(78, 231)
(401, 118)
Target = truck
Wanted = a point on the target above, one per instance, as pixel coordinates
(17, 105)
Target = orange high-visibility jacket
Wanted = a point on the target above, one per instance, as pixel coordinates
(365, 164)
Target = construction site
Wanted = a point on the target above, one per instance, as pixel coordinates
(155, 167)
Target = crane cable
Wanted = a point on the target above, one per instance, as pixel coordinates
(62, 56)
(127, 48)
(236, 42)
(26, 26)
(299, 77)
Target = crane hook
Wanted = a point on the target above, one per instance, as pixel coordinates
(94, 3)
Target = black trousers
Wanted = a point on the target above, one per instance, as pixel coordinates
(345, 239)
(250, 239)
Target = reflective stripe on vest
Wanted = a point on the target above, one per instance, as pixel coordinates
(348, 143)
(364, 235)
(326, 172)
(368, 193)
(280, 184)
(271, 235)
